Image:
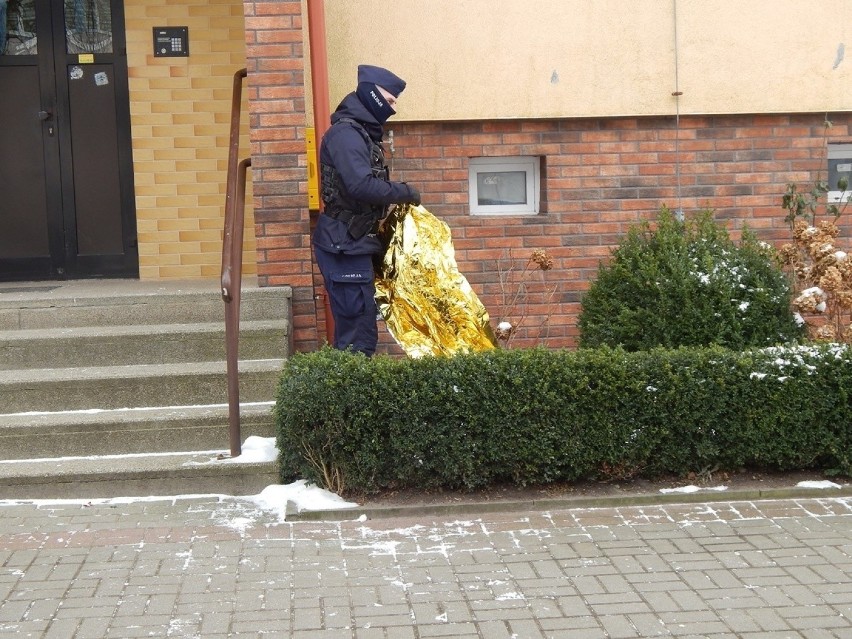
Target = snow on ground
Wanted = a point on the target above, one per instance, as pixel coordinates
(256, 450)
(277, 499)
(817, 484)
(695, 489)
(300, 495)
(692, 489)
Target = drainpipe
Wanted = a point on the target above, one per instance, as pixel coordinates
(322, 114)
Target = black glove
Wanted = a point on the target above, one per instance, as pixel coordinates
(414, 196)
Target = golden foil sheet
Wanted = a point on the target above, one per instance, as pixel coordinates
(429, 307)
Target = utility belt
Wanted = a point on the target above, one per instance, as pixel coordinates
(357, 225)
(343, 216)
(360, 218)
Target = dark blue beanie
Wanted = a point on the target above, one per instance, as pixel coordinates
(382, 77)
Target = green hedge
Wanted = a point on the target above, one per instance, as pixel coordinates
(357, 424)
(688, 284)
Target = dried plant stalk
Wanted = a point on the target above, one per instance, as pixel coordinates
(515, 285)
(822, 275)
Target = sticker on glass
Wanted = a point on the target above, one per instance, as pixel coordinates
(101, 79)
(76, 72)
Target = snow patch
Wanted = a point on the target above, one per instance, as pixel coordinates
(256, 450)
(817, 484)
(510, 595)
(693, 489)
(302, 495)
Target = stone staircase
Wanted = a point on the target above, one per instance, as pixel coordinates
(115, 388)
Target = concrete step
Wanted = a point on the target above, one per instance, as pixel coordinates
(131, 302)
(130, 431)
(184, 384)
(112, 387)
(181, 473)
(138, 344)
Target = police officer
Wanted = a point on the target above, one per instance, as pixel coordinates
(356, 192)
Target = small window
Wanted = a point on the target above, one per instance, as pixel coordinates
(505, 186)
(839, 166)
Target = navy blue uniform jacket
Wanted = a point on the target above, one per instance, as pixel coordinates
(344, 148)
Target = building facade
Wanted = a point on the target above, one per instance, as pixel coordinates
(595, 114)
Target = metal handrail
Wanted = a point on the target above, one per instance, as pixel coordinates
(232, 261)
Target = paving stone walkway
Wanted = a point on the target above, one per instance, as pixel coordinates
(211, 568)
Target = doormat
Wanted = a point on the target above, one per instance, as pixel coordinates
(28, 289)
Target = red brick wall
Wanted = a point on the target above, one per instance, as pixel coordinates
(276, 93)
(599, 176)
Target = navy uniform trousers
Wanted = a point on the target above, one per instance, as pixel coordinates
(349, 282)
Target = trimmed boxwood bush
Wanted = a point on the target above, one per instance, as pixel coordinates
(688, 284)
(357, 424)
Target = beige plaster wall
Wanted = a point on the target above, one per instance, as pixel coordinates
(484, 59)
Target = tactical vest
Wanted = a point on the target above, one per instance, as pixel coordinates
(360, 217)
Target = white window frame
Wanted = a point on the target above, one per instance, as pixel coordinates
(529, 164)
(839, 152)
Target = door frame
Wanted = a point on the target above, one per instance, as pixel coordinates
(52, 61)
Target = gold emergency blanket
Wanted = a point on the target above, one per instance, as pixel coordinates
(429, 307)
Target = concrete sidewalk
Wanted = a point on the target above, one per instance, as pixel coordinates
(214, 567)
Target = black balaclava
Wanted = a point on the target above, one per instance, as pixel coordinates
(370, 96)
(370, 78)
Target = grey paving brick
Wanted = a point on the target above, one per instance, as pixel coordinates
(693, 570)
(688, 600)
(588, 585)
(499, 612)
(14, 610)
(573, 606)
(813, 617)
(23, 629)
(647, 624)
(824, 633)
(734, 600)
(360, 613)
(661, 601)
(494, 629)
(92, 628)
(62, 629)
(467, 629)
(618, 626)
(399, 632)
(307, 618)
(544, 608)
(701, 628)
(723, 579)
(42, 609)
(697, 579)
(526, 628)
(580, 633)
(213, 622)
(769, 620)
(557, 589)
(738, 621)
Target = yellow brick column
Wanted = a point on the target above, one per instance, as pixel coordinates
(180, 117)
